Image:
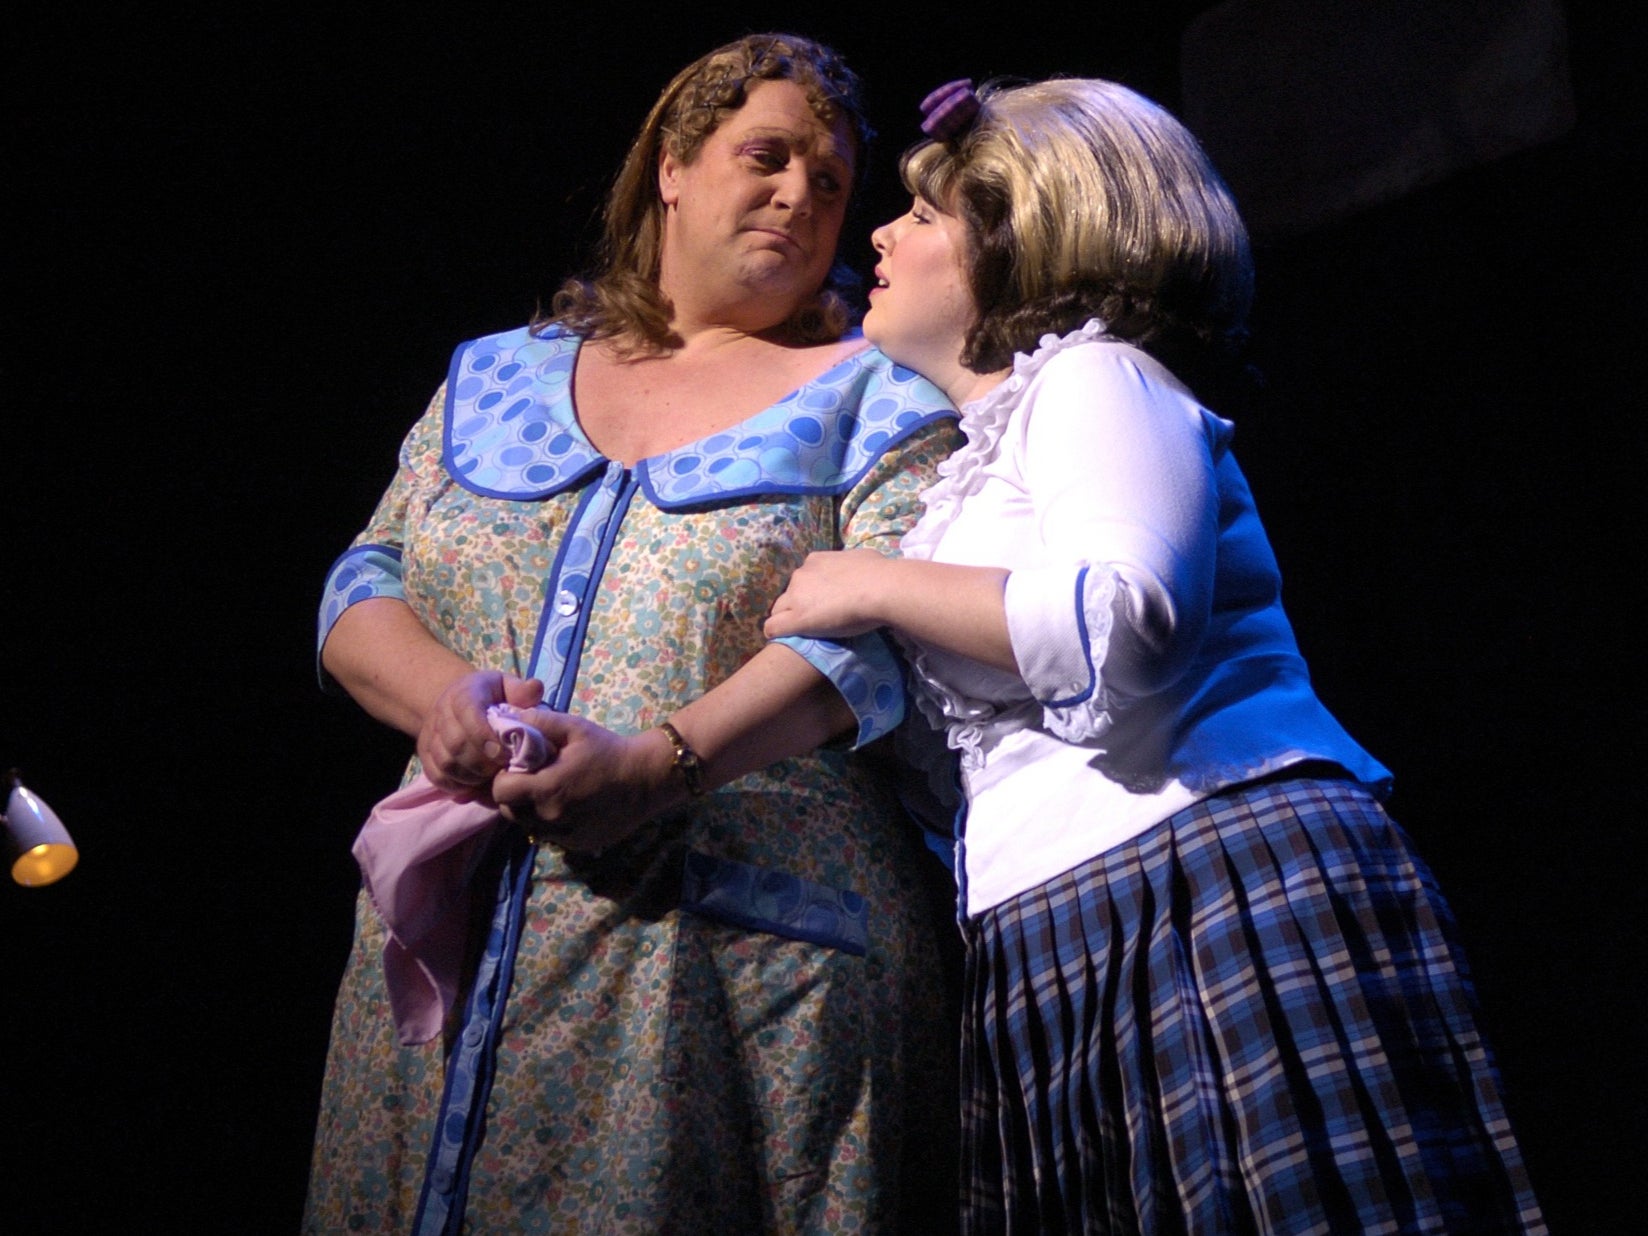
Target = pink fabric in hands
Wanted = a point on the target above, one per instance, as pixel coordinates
(418, 851)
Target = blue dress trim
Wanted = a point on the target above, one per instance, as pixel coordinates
(359, 574)
(866, 672)
(469, 1068)
(775, 902)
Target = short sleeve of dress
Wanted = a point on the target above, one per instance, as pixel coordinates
(874, 514)
(371, 566)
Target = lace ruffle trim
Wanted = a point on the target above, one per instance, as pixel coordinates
(971, 723)
(984, 421)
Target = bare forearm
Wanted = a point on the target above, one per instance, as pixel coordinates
(839, 593)
(389, 663)
(957, 608)
(774, 707)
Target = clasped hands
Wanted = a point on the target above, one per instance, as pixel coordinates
(597, 789)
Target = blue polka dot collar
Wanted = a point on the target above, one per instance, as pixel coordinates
(511, 431)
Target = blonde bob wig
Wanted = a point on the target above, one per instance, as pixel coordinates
(621, 299)
(1082, 200)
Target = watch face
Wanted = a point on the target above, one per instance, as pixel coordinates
(686, 759)
(692, 769)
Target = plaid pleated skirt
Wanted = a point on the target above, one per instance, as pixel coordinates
(1253, 1018)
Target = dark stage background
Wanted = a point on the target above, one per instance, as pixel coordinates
(242, 244)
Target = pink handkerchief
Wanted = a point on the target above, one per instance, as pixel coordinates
(418, 851)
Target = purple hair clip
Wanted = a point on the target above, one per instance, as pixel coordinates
(949, 111)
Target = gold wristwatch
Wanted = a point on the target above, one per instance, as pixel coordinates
(686, 760)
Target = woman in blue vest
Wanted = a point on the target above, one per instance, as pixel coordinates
(1210, 989)
(703, 990)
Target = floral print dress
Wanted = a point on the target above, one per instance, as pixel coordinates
(735, 1021)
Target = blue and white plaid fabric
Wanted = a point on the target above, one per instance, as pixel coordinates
(1254, 1018)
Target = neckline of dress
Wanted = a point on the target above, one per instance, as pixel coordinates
(577, 426)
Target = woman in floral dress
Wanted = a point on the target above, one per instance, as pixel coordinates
(704, 989)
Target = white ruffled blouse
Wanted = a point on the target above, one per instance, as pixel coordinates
(1144, 609)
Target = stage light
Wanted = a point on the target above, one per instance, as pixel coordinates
(38, 847)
